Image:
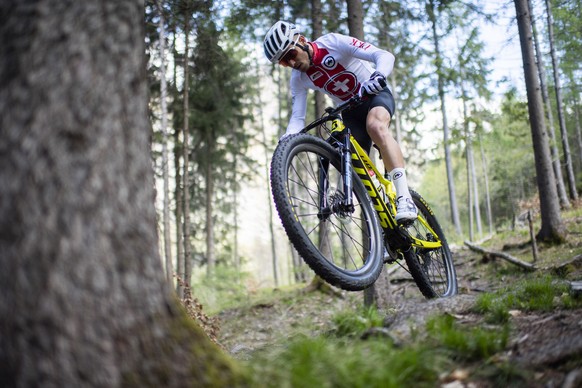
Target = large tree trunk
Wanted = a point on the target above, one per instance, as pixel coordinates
(356, 18)
(375, 295)
(561, 187)
(552, 227)
(83, 296)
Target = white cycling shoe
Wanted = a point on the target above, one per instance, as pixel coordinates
(406, 210)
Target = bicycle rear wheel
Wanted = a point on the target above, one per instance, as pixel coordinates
(432, 269)
(343, 247)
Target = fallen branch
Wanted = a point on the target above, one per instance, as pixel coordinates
(504, 256)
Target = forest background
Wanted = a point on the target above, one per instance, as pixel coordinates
(218, 107)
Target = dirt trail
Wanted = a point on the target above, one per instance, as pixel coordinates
(549, 344)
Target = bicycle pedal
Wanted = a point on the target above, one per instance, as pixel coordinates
(406, 223)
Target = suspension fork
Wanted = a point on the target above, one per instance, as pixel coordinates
(342, 142)
(346, 158)
(324, 210)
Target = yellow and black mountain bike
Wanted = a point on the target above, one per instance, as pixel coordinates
(341, 220)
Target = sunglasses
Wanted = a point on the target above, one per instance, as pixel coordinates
(289, 56)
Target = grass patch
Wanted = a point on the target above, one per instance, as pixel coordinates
(540, 293)
(468, 344)
(351, 323)
(335, 362)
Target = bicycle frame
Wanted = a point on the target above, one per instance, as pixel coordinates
(356, 158)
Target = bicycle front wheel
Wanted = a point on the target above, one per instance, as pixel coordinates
(343, 246)
(432, 269)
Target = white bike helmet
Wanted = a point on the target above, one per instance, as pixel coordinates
(279, 40)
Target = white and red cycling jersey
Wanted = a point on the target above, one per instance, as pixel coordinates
(340, 64)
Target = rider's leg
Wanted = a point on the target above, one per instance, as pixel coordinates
(377, 124)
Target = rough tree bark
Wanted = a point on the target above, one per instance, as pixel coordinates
(561, 187)
(83, 297)
(552, 226)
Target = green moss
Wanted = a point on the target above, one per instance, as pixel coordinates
(174, 351)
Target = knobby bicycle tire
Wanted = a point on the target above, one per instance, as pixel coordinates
(345, 248)
(433, 270)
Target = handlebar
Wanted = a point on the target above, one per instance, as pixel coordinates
(332, 113)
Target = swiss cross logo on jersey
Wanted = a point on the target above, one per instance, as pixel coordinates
(342, 85)
(329, 75)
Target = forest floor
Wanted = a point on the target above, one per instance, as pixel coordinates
(544, 346)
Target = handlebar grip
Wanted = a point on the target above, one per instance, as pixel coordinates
(382, 82)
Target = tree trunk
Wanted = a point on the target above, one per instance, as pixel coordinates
(578, 128)
(83, 296)
(476, 201)
(560, 109)
(164, 129)
(561, 187)
(374, 295)
(487, 194)
(186, 157)
(178, 190)
(468, 155)
(356, 18)
(552, 227)
(210, 251)
(441, 91)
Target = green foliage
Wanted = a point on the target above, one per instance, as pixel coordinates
(321, 362)
(351, 323)
(471, 344)
(494, 308)
(542, 293)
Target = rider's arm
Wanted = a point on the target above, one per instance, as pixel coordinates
(299, 104)
(383, 59)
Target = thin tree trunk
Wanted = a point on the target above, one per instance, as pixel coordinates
(561, 187)
(560, 109)
(269, 199)
(178, 190)
(552, 227)
(578, 130)
(441, 91)
(164, 129)
(185, 156)
(487, 194)
(468, 161)
(476, 201)
(210, 251)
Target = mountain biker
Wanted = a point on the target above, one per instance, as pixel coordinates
(340, 66)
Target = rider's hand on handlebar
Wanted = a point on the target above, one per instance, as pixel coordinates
(374, 85)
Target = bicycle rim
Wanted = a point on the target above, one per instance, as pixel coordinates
(342, 247)
(432, 269)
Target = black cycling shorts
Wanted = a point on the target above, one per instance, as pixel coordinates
(355, 119)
